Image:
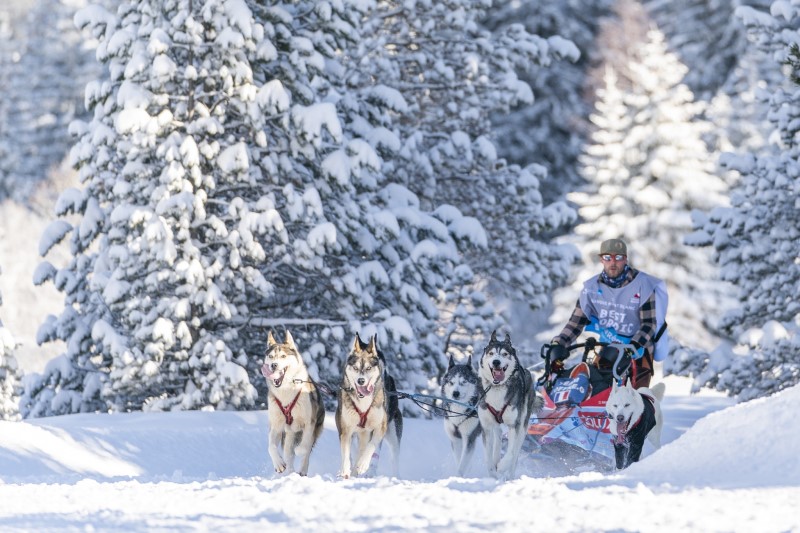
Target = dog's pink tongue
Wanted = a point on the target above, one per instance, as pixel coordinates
(498, 374)
(265, 371)
(365, 391)
(622, 432)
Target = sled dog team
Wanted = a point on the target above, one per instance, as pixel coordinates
(500, 394)
(367, 407)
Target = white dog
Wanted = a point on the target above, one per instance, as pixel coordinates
(634, 414)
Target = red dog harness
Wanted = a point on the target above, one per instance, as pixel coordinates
(287, 411)
(362, 422)
(498, 415)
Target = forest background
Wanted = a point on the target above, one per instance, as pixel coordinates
(177, 177)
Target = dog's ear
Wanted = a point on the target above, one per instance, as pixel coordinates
(357, 342)
(508, 338)
(452, 363)
(373, 344)
(494, 336)
(469, 360)
(270, 339)
(290, 340)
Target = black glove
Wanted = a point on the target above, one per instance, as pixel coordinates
(624, 363)
(636, 353)
(608, 354)
(557, 352)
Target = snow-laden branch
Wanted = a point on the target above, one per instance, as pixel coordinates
(271, 322)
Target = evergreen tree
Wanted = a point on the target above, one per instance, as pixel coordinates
(10, 374)
(644, 168)
(181, 210)
(755, 239)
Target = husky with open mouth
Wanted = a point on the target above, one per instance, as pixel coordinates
(634, 415)
(508, 400)
(294, 405)
(368, 408)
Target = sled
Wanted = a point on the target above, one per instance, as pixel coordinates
(571, 433)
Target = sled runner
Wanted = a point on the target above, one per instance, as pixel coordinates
(572, 431)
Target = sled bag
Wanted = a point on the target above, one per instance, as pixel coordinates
(570, 391)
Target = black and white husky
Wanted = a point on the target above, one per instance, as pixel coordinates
(634, 414)
(295, 409)
(460, 392)
(509, 400)
(368, 408)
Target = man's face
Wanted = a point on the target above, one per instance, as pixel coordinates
(613, 264)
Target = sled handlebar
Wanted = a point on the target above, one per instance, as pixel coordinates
(590, 344)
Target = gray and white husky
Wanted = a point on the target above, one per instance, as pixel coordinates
(460, 392)
(509, 400)
(368, 408)
(634, 415)
(295, 409)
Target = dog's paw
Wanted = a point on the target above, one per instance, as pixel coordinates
(362, 467)
(280, 467)
(343, 475)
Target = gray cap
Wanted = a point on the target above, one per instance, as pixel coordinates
(613, 246)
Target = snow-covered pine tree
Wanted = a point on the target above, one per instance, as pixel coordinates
(178, 214)
(446, 77)
(644, 174)
(551, 130)
(10, 374)
(755, 239)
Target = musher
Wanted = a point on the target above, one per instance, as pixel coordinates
(621, 299)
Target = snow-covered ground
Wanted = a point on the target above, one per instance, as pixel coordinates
(723, 467)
